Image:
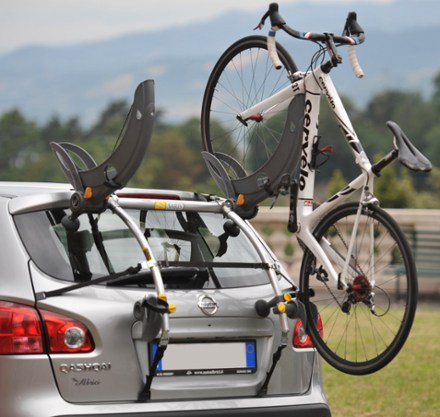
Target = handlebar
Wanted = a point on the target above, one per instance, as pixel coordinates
(352, 35)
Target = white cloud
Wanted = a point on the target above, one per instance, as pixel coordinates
(115, 87)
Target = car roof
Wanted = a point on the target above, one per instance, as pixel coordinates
(12, 189)
(34, 196)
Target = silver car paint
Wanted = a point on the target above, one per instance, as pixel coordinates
(108, 379)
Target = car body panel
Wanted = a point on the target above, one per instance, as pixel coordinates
(14, 280)
(107, 381)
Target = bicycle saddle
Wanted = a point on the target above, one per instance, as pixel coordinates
(409, 155)
(94, 183)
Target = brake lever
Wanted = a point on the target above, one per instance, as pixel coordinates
(352, 27)
(275, 18)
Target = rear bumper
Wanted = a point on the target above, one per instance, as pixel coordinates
(29, 390)
(309, 410)
(309, 405)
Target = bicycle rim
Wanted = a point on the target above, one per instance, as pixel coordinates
(364, 327)
(243, 76)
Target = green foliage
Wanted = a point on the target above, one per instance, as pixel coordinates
(169, 163)
(19, 143)
(336, 183)
(267, 230)
(430, 198)
(433, 143)
(395, 189)
(289, 249)
(173, 158)
(436, 95)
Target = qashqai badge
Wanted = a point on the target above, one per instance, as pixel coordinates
(207, 304)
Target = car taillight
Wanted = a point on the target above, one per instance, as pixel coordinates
(66, 335)
(301, 339)
(20, 330)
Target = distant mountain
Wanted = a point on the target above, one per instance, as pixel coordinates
(401, 52)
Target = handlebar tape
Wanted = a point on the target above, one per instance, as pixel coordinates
(272, 49)
(354, 61)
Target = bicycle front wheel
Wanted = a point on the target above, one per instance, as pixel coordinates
(360, 329)
(243, 76)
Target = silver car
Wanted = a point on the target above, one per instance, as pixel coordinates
(80, 319)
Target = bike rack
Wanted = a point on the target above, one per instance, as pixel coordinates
(94, 185)
(272, 178)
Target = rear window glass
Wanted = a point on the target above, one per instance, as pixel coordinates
(192, 249)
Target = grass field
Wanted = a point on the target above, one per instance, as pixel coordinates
(408, 387)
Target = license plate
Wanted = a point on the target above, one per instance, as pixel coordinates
(207, 358)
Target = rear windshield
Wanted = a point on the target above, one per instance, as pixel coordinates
(192, 249)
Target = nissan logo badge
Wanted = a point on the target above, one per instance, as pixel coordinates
(207, 304)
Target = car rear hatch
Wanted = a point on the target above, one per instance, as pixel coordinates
(218, 345)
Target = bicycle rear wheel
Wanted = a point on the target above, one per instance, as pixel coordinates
(362, 328)
(243, 76)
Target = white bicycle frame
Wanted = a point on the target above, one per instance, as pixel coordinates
(313, 84)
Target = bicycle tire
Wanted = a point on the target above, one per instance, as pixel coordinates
(243, 76)
(355, 340)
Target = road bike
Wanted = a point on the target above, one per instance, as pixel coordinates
(259, 121)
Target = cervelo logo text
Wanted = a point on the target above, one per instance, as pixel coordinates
(327, 94)
(304, 173)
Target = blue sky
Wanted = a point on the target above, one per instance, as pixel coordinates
(56, 22)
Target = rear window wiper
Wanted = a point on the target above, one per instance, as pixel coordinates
(173, 276)
(129, 272)
(170, 275)
(211, 264)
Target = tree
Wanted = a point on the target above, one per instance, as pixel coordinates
(409, 110)
(336, 183)
(111, 120)
(394, 188)
(436, 94)
(169, 163)
(58, 131)
(431, 197)
(191, 136)
(173, 159)
(433, 148)
(19, 143)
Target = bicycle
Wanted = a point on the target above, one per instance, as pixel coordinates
(260, 138)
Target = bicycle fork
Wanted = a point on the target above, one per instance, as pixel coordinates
(360, 287)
